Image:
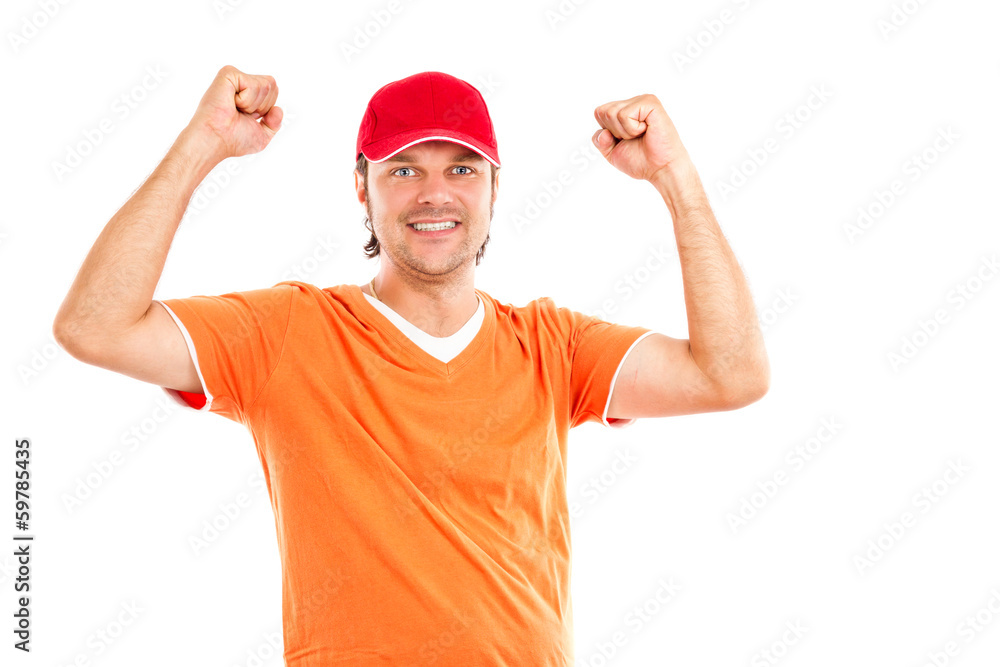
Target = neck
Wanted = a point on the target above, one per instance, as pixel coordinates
(437, 308)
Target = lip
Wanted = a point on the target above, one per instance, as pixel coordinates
(435, 233)
(433, 220)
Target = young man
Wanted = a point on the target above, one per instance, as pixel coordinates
(413, 430)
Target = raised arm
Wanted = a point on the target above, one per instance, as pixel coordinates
(724, 365)
(108, 318)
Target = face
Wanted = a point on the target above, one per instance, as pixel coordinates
(435, 180)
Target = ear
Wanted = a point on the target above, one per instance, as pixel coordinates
(496, 189)
(359, 186)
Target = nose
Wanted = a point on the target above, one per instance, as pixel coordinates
(435, 190)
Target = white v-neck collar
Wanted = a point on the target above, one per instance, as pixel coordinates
(444, 349)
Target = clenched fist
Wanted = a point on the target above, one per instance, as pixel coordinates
(238, 109)
(638, 137)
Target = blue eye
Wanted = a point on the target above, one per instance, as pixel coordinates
(468, 170)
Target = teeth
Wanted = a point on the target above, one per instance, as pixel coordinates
(431, 226)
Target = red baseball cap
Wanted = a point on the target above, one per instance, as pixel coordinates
(425, 107)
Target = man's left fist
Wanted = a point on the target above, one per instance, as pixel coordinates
(638, 137)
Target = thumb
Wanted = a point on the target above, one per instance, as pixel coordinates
(604, 141)
(271, 122)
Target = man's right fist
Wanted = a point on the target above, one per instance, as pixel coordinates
(231, 108)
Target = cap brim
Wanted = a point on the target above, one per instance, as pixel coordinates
(383, 149)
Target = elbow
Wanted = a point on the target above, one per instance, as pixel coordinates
(756, 383)
(759, 391)
(738, 379)
(736, 400)
(66, 330)
(756, 390)
(749, 390)
(69, 337)
(761, 382)
(61, 334)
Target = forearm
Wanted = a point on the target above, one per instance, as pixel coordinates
(115, 284)
(723, 328)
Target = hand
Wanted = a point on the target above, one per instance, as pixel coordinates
(238, 112)
(638, 137)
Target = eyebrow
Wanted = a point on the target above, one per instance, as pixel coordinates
(471, 156)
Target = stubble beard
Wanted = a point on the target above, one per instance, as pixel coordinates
(399, 254)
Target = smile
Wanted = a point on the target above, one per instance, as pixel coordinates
(434, 229)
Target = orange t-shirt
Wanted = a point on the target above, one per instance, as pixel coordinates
(420, 506)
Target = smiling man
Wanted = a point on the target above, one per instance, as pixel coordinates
(431, 208)
(413, 429)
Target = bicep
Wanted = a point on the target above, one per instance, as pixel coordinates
(659, 378)
(152, 350)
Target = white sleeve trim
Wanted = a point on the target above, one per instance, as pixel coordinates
(172, 393)
(604, 417)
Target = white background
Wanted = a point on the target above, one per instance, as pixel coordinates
(834, 307)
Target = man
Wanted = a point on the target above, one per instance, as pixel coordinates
(412, 430)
